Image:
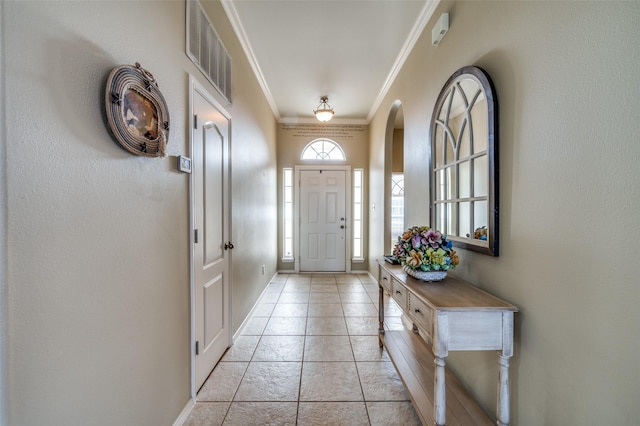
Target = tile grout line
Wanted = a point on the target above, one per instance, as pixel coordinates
(245, 371)
(304, 343)
(248, 364)
(364, 399)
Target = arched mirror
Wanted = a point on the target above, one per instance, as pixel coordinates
(464, 161)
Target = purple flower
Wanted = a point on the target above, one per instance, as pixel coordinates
(416, 241)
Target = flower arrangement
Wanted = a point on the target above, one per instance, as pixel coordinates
(421, 248)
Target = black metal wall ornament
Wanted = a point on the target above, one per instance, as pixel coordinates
(136, 111)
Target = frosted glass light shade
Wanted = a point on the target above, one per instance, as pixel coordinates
(324, 112)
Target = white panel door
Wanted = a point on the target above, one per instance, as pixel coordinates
(211, 259)
(322, 221)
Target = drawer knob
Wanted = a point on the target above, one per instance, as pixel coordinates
(417, 311)
(398, 292)
(384, 279)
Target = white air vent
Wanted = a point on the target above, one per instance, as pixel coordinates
(206, 51)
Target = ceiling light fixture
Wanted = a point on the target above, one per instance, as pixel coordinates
(324, 112)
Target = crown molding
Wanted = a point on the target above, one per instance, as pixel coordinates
(236, 24)
(426, 14)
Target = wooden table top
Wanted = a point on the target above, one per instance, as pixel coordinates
(450, 294)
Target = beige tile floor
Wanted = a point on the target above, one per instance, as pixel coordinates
(309, 355)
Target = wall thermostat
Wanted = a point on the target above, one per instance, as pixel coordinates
(184, 164)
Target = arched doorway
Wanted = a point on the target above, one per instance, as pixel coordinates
(394, 176)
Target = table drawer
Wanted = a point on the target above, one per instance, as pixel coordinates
(421, 313)
(399, 293)
(384, 279)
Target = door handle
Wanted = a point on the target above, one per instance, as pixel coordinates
(341, 226)
(228, 246)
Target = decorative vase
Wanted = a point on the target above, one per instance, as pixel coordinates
(425, 275)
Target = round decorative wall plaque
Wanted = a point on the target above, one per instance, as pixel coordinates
(136, 111)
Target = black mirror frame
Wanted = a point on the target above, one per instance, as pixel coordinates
(483, 78)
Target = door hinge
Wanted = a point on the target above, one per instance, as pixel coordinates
(195, 121)
(195, 236)
(197, 347)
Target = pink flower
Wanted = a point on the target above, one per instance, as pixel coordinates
(434, 238)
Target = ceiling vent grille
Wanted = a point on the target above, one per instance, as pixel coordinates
(206, 51)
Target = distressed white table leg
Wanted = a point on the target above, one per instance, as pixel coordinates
(503, 373)
(380, 314)
(440, 393)
(503, 391)
(440, 350)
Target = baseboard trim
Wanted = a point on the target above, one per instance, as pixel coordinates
(184, 415)
(371, 276)
(253, 308)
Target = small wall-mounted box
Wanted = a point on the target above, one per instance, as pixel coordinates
(184, 164)
(440, 29)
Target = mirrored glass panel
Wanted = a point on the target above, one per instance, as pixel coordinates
(464, 173)
(464, 161)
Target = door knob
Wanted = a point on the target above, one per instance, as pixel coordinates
(341, 226)
(228, 246)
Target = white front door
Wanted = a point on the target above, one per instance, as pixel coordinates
(322, 220)
(210, 143)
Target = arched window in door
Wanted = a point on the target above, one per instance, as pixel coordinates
(323, 149)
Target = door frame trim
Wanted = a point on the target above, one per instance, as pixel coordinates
(195, 85)
(296, 210)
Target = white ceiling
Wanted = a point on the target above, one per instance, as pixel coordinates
(349, 50)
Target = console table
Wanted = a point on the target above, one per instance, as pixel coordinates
(446, 316)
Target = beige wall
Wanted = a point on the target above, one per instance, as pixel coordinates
(4, 285)
(566, 76)
(397, 156)
(254, 177)
(293, 138)
(98, 239)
